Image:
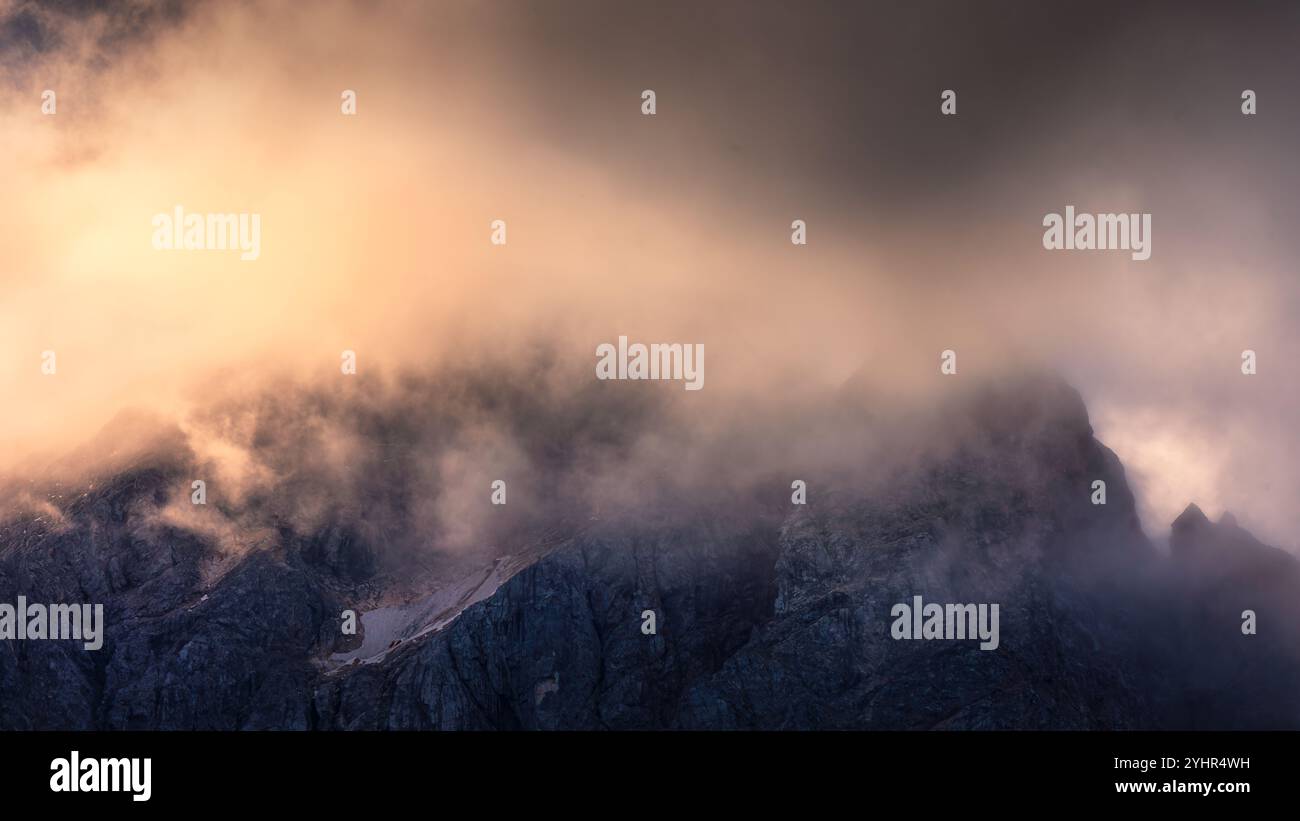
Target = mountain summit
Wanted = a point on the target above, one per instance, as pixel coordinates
(738, 610)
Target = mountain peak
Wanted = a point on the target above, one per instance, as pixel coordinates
(1192, 517)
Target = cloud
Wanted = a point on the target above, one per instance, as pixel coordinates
(924, 232)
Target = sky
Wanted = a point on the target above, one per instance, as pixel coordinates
(924, 230)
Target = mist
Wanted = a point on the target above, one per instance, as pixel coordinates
(476, 361)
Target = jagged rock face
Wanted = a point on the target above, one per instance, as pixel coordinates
(790, 627)
(766, 616)
(560, 645)
(174, 656)
(1228, 679)
(827, 658)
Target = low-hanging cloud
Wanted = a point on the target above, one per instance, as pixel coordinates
(924, 233)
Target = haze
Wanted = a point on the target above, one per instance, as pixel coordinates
(924, 232)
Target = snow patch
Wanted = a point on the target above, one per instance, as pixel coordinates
(386, 628)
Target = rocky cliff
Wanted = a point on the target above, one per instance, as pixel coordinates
(766, 614)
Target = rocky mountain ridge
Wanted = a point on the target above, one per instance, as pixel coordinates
(768, 616)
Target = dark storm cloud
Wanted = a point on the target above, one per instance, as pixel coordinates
(840, 97)
(30, 31)
(22, 29)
